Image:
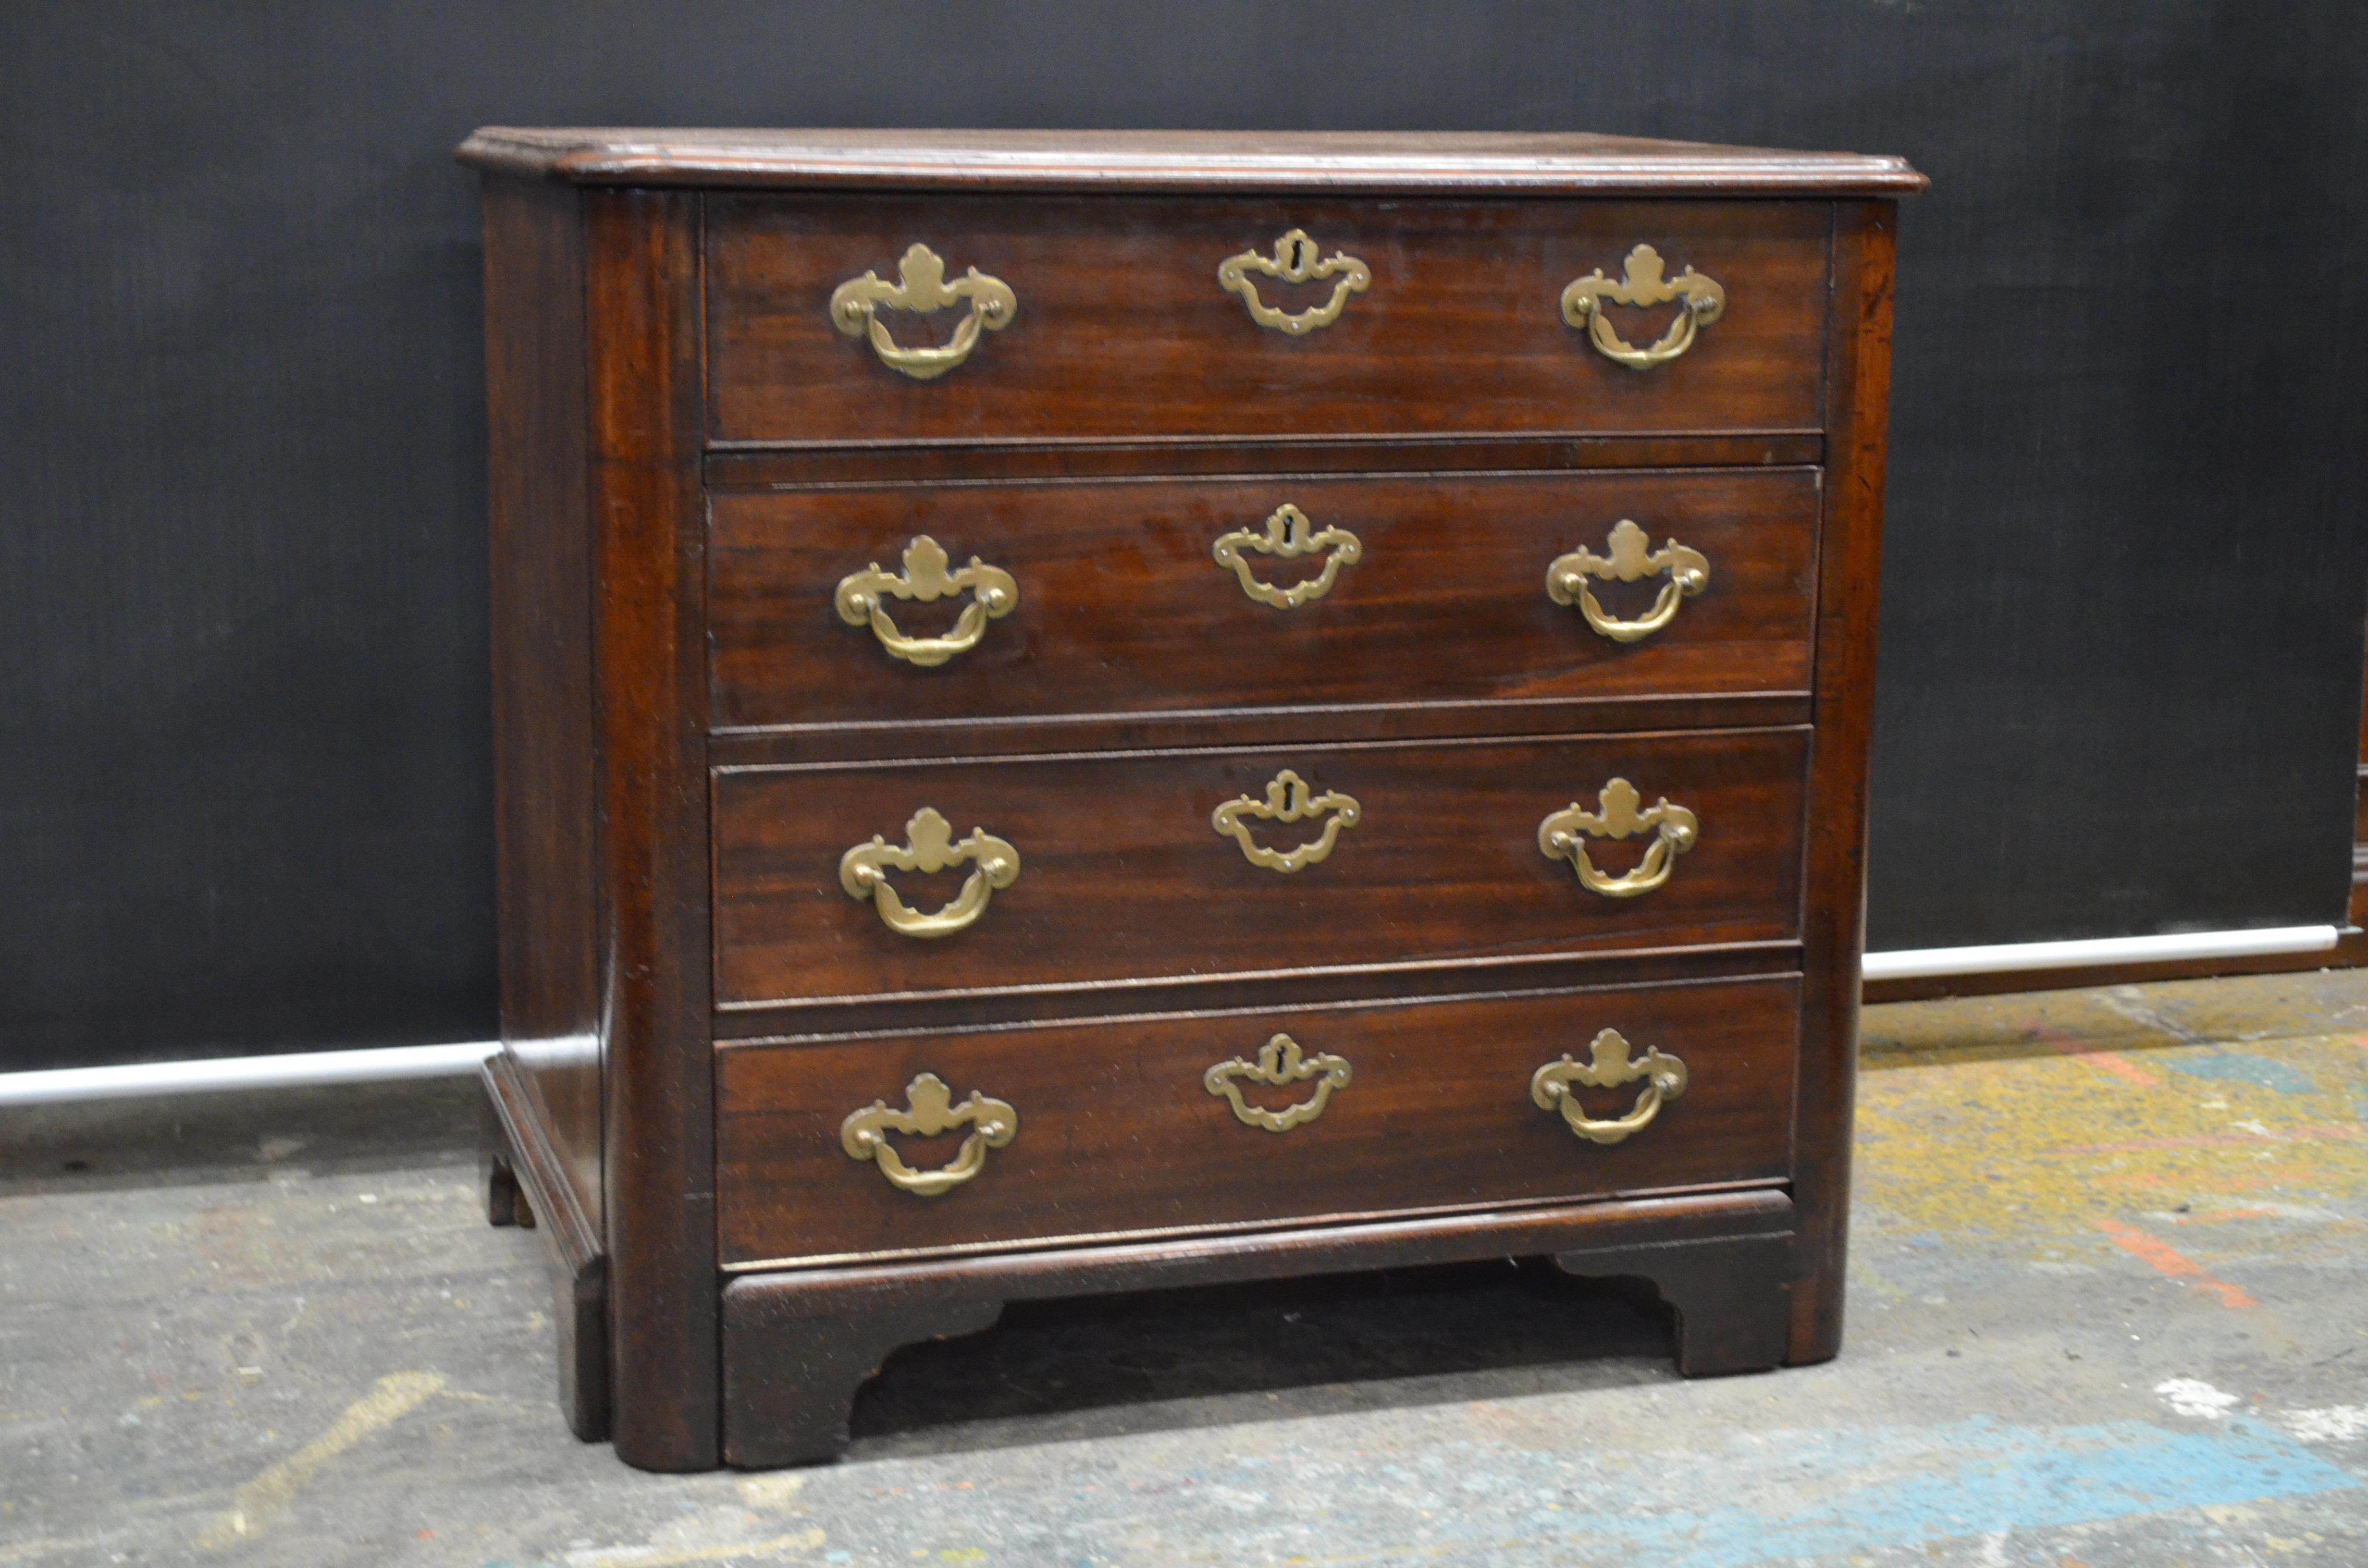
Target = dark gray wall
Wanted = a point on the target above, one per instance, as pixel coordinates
(244, 756)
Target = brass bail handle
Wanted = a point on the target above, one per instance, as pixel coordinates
(921, 288)
(1642, 283)
(930, 1111)
(1563, 836)
(1663, 1077)
(1630, 558)
(1279, 1064)
(928, 847)
(993, 594)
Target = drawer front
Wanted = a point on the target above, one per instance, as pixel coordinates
(1366, 591)
(1114, 1127)
(1119, 867)
(1106, 317)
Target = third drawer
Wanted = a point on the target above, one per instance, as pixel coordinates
(1074, 870)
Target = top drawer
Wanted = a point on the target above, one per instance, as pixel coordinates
(1106, 317)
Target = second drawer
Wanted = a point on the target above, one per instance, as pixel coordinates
(1192, 594)
(1131, 1125)
(990, 874)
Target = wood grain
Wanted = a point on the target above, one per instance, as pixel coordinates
(574, 1250)
(1124, 609)
(808, 1022)
(537, 507)
(1123, 875)
(1122, 330)
(647, 523)
(925, 740)
(1118, 1133)
(1056, 457)
(1834, 927)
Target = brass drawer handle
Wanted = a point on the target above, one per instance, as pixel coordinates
(1295, 262)
(1287, 533)
(1287, 801)
(993, 594)
(921, 286)
(928, 847)
(1664, 1075)
(1632, 557)
(1280, 1065)
(930, 1110)
(1563, 836)
(1641, 283)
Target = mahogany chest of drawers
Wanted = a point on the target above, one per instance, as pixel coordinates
(1077, 713)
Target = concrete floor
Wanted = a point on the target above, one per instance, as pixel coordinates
(2107, 1310)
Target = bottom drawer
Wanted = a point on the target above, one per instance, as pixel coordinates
(830, 1150)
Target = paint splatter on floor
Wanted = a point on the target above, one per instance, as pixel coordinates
(2103, 1128)
(2108, 1262)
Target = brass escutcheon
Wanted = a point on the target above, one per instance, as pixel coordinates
(921, 286)
(928, 847)
(1287, 801)
(1279, 1064)
(993, 594)
(1632, 557)
(1641, 283)
(1664, 1075)
(929, 1111)
(1674, 828)
(1289, 534)
(1295, 262)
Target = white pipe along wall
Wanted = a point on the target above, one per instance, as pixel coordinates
(381, 1064)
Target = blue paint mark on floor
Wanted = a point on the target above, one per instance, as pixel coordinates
(2236, 1066)
(1418, 1495)
(1901, 1488)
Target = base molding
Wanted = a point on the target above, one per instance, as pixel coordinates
(524, 1184)
(1732, 1296)
(797, 1344)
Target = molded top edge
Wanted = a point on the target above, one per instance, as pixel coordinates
(1471, 162)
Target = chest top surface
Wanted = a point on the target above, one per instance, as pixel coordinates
(1508, 161)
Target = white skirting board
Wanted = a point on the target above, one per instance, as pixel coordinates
(1924, 964)
(300, 1068)
(295, 1070)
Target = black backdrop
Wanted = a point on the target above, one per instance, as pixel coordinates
(244, 743)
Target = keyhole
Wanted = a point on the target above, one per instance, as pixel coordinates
(1298, 254)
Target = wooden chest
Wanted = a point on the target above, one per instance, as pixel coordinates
(1079, 712)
